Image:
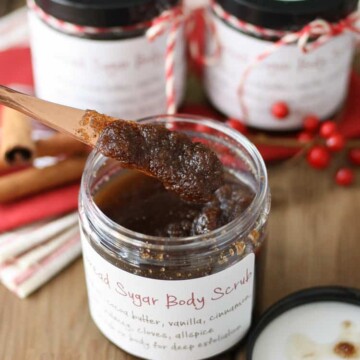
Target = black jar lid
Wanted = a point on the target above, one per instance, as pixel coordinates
(288, 14)
(105, 13)
(318, 295)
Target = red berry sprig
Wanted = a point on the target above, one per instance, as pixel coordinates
(318, 157)
(320, 140)
(327, 129)
(280, 110)
(311, 123)
(335, 142)
(344, 176)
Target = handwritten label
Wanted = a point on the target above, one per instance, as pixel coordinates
(124, 78)
(161, 319)
(314, 83)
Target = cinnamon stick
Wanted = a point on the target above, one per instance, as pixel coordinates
(17, 146)
(34, 180)
(60, 144)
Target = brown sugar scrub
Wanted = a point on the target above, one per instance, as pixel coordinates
(167, 276)
(190, 169)
(141, 203)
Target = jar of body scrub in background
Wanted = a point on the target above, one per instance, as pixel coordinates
(178, 297)
(278, 51)
(109, 55)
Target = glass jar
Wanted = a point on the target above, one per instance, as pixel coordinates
(96, 55)
(184, 298)
(247, 88)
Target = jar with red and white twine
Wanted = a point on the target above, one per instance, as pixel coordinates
(123, 58)
(279, 60)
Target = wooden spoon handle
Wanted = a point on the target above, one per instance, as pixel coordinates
(59, 117)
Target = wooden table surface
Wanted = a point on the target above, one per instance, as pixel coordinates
(314, 240)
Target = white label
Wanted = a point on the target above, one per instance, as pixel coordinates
(123, 78)
(163, 319)
(311, 83)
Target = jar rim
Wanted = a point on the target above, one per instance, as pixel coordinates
(242, 222)
(105, 13)
(288, 15)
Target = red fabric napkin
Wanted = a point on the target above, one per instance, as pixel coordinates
(45, 205)
(350, 120)
(15, 65)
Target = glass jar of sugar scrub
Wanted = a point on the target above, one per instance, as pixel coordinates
(279, 60)
(159, 284)
(109, 55)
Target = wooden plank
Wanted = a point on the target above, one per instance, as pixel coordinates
(3, 7)
(6, 6)
(15, 4)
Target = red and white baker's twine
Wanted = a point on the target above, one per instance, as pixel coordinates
(173, 17)
(170, 19)
(309, 38)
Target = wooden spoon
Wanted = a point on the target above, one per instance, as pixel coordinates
(85, 125)
(194, 175)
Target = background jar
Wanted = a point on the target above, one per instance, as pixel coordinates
(195, 293)
(315, 82)
(95, 55)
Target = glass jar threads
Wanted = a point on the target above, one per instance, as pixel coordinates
(123, 58)
(173, 296)
(296, 54)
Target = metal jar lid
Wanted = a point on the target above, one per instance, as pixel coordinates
(105, 13)
(288, 14)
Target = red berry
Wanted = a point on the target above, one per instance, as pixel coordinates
(280, 110)
(311, 123)
(318, 157)
(354, 156)
(237, 125)
(327, 129)
(344, 177)
(335, 142)
(305, 137)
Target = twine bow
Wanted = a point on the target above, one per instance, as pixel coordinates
(320, 31)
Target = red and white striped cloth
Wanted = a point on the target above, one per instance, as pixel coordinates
(31, 256)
